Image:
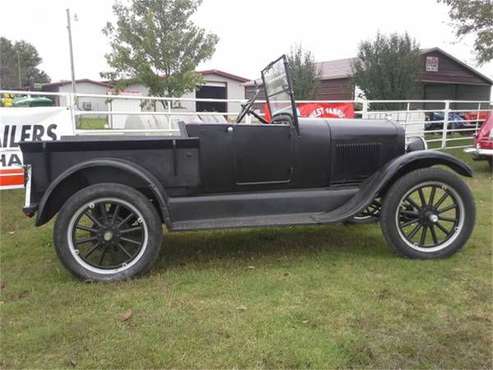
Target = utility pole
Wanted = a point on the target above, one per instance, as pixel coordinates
(19, 76)
(69, 28)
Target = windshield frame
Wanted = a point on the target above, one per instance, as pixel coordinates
(289, 90)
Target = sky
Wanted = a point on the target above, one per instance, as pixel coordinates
(252, 32)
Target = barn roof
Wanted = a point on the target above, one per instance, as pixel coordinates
(65, 82)
(223, 74)
(342, 68)
(329, 70)
(339, 68)
(204, 73)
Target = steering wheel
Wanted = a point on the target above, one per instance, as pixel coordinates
(247, 107)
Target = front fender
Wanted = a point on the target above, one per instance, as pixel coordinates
(382, 180)
(44, 215)
(426, 158)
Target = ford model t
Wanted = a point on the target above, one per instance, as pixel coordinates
(113, 194)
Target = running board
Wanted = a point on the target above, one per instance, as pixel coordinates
(251, 221)
(243, 206)
(258, 209)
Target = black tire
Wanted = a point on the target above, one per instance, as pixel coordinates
(128, 233)
(490, 164)
(399, 215)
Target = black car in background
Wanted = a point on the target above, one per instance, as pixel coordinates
(435, 121)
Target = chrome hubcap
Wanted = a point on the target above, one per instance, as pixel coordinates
(108, 235)
(433, 218)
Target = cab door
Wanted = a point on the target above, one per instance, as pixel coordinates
(263, 154)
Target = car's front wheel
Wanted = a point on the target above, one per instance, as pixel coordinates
(108, 232)
(428, 213)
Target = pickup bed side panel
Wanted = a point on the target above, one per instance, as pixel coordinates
(100, 171)
(174, 163)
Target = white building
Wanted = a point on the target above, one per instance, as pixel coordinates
(84, 86)
(217, 85)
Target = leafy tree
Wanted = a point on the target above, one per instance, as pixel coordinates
(154, 42)
(474, 16)
(387, 67)
(304, 72)
(19, 55)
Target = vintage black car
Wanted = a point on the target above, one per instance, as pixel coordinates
(113, 194)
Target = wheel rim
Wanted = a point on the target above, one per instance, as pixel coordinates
(430, 216)
(107, 235)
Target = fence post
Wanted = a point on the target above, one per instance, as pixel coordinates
(110, 116)
(408, 106)
(477, 120)
(169, 114)
(71, 102)
(445, 123)
(364, 112)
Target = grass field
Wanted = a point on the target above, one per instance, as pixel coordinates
(92, 123)
(454, 140)
(310, 297)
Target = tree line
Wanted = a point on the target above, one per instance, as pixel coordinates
(19, 61)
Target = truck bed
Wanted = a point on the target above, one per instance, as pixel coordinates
(173, 161)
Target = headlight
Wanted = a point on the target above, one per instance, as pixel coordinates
(416, 143)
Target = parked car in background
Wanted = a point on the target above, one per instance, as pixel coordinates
(483, 143)
(475, 117)
(435, 121)
(27, 101)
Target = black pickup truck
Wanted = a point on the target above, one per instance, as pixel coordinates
(113, 194)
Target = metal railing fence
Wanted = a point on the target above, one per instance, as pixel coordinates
(445, 124)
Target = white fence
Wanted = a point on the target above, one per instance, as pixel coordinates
(444, 124)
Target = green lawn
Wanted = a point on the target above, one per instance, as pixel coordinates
(311, 297)
(457, 140)
(92, 123)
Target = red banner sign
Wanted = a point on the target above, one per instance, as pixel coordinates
(326, 110)
(320, 110)
(11, 177)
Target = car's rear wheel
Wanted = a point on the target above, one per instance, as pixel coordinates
(428, 213)
(108, 232)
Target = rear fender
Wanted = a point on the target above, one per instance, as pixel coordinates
(50, 201)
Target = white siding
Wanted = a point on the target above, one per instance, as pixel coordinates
(96, 104)
(234, 90)
(126, 105)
